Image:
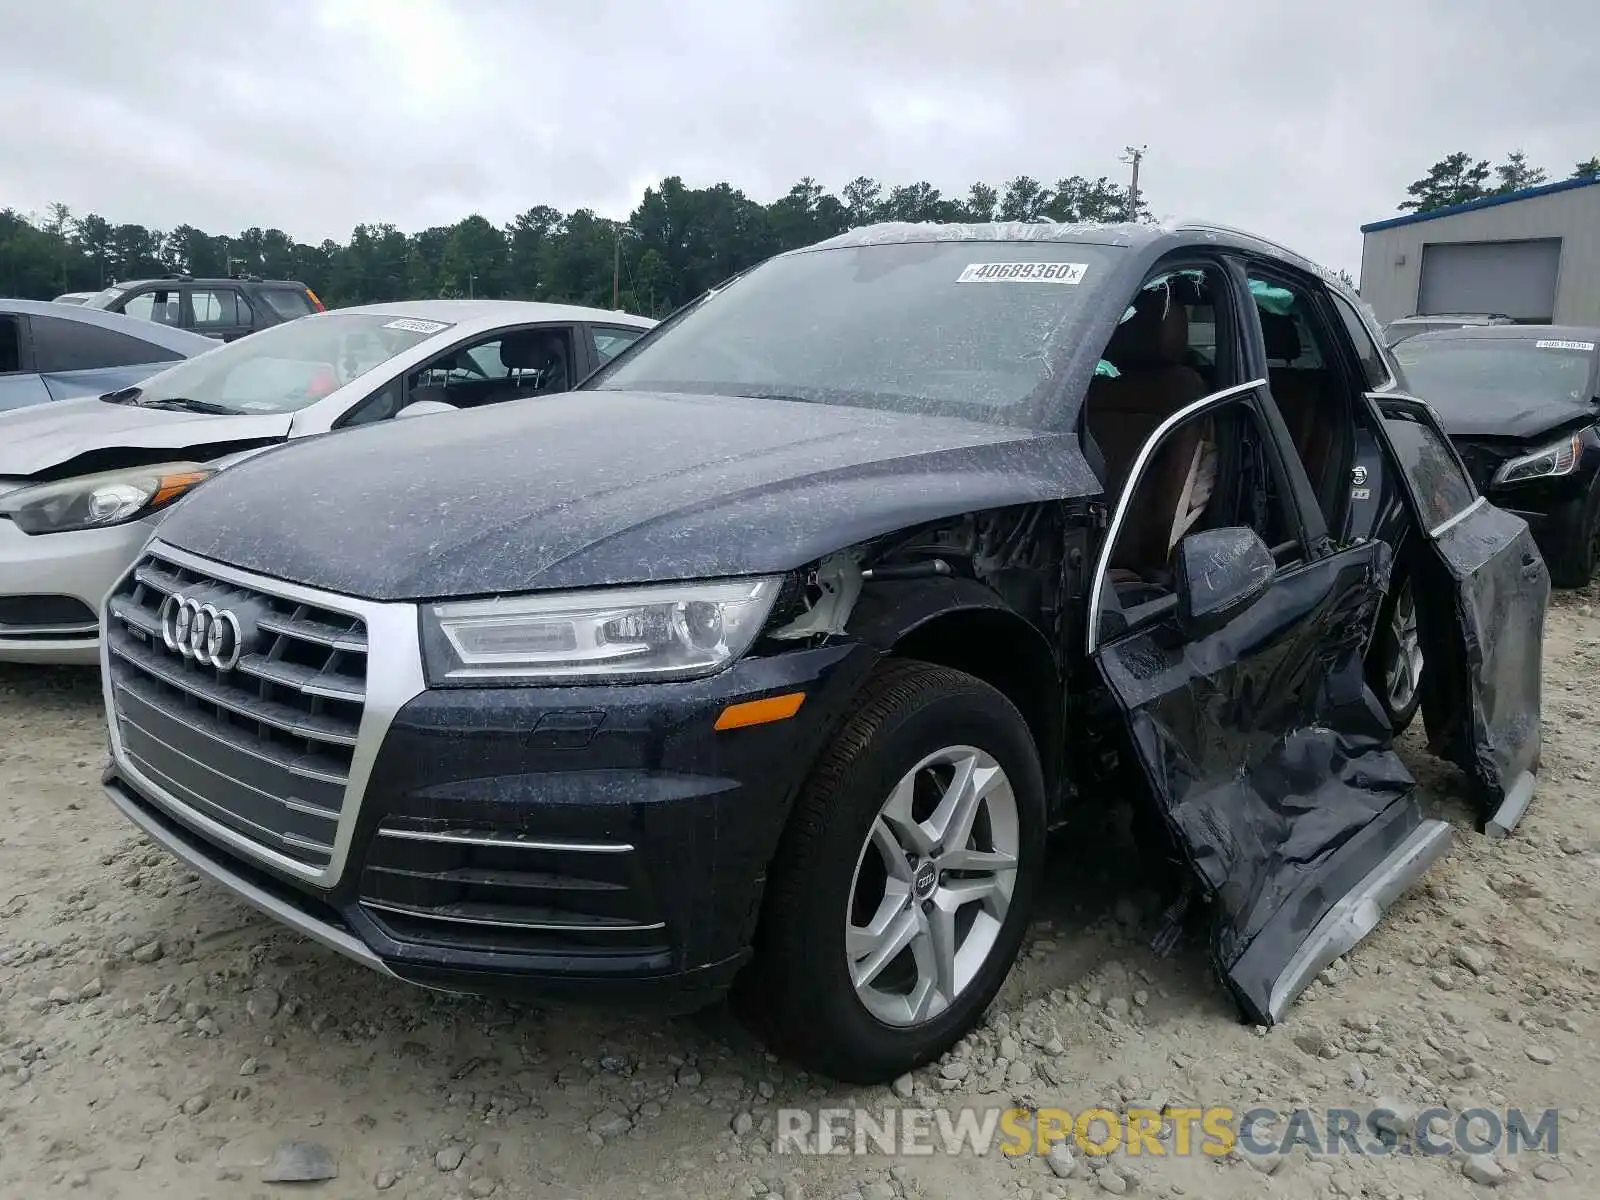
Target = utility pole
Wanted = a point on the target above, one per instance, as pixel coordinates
(1134, 155)
(616, 269)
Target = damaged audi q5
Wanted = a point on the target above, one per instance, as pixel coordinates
(815, 611)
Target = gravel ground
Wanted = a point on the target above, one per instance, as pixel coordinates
(158, 1038)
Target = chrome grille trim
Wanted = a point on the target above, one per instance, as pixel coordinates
(456, 918)
(393, 678)
(506, 843)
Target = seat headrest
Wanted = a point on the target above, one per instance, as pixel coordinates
(1281, 336)
(531, 350)
(1156, 334)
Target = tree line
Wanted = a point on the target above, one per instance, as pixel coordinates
(1460, 177)
(675, 244)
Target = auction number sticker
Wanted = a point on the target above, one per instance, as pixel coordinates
(1563, 345)
(412, 325)
(1024, 272)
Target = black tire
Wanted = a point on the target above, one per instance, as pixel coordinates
(798, 992)
(1383, 651)
(1575, 542)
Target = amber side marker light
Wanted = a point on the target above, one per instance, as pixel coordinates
(761, 712)
(173, 486)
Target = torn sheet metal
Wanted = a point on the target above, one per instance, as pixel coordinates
(1271, 762)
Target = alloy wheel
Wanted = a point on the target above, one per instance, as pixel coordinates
(1404, 673)
(932, 885)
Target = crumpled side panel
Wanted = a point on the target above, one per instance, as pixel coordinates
(1490, 654)
(1269, 757)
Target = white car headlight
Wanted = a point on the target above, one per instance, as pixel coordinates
(97, 501)
(1559, 458)
(663, 631)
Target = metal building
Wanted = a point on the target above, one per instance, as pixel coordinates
(1533, 255)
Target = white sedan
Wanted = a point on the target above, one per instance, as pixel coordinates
(84, 482)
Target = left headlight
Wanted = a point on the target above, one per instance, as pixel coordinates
(97, 501)
(665, 631)
(1559, 458)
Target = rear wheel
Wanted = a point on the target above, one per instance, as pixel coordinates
(1394, 666)
(1576, 543)
(901, 891)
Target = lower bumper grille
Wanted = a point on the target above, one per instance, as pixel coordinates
(253, 728)
(484, 889)
(46, 617)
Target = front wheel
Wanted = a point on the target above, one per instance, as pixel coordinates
(901, 890)
(1575, 553)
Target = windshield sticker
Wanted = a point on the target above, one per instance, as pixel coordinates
(415, 326)
(1019, 272)
(1564, 345)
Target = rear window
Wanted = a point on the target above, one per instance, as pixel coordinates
(60, 345)
(287, 303)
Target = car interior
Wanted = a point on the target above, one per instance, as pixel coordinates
(497, 368)
(1211, 472)
(525, 362)
(1312, 393)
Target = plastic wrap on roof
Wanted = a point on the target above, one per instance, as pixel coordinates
(886, 232)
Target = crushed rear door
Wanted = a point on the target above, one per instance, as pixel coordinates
(1482, 592)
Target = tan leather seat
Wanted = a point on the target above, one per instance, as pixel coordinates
(1148, 350)
(1301, 395)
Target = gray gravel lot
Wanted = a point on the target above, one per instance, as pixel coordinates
(158, 1038)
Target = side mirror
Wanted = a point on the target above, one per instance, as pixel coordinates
(423, 408)
(1218, 574)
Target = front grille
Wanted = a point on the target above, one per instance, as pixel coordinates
(264, 746)
(477, 887)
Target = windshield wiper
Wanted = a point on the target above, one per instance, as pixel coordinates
(184, 404)
(125, 395)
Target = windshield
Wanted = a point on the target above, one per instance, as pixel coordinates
(1477, 369)
(287, 367)
(961, 329)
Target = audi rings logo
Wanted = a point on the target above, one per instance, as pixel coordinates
(201, 632)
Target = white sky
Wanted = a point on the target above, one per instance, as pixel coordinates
(1296, 121)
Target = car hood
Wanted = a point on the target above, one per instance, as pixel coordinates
(45, 437)
(591, 488)
(1508, 416)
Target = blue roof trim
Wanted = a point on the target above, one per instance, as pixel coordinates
(1544, 189)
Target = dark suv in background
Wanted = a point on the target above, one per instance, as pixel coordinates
(219, 308)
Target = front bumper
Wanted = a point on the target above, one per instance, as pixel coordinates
(603, 841)
(81, 566)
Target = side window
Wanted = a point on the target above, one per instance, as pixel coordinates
(1441, 488)
(159, 306)
(1213, 471)
(1373, 368)
(501, 367)
(73, 346)
(1173, 346)
(10, 345)
(1308, 385)
(219, 309)
(609, 341)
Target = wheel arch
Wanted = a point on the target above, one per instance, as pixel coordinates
(963, 625)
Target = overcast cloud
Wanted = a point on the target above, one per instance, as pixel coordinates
(314, 115)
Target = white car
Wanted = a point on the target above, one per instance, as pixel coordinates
(84, 482)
